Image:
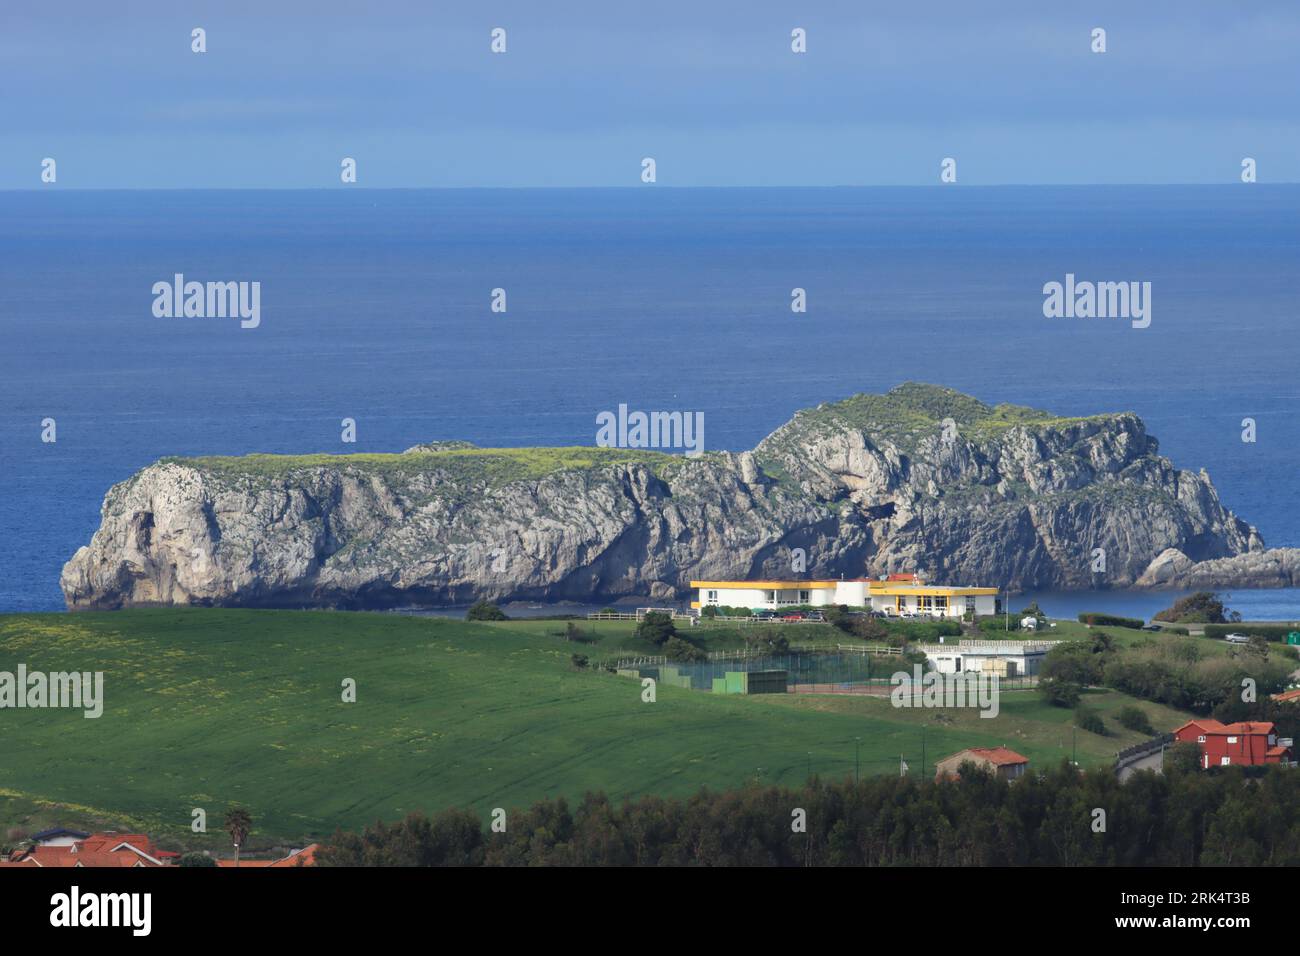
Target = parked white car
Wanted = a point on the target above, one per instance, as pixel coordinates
(1237, 639)
(1029, 623)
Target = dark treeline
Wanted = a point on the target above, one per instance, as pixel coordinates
(1234, 816)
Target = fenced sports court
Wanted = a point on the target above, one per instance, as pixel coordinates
(807, 672)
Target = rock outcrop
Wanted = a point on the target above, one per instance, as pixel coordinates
(922, 478)
(1274, 568)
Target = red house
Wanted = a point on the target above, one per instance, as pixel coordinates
(97, 849)
(1248, 743)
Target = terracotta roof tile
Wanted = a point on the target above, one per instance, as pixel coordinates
(999, 756)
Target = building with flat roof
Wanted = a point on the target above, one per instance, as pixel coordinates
(902, 595)
(993, 657)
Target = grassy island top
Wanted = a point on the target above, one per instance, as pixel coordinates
(914, 408)
(493, 464)
(903, 414)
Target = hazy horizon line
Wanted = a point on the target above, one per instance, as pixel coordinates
(640, 187)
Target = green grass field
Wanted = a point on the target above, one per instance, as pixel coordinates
(213, 708)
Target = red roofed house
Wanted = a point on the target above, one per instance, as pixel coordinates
(1248, 743)
(131, 850)
(97, 849)
(1004, 763)
(1287, 696)
(304, 857)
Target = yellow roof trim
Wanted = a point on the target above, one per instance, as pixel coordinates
(760, 585)
(882, 588)
(892, 590)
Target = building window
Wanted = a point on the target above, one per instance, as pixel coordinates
(1232, 740)
(804, 596)
(771, 597)
(713, 597)
(1201, 739)
(941, 603)
(970, 604)
(1225, 761)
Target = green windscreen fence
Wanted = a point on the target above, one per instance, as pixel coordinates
(770, 674)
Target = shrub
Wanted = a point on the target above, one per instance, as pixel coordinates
(576, 634)
(1058, 692)
(485, 611)
(1164, 674)
(1072, 663)
(579, 661)
(656, 628)
(676, 649)
(1201, 607)
(1088, 719)
(1182, 757)
(998, 623)
(869, 629)
(1135, 718)
(736, 611)
(768, 640)
(196, 859)
(1110, 620)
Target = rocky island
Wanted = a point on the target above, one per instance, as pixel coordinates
(922, 478)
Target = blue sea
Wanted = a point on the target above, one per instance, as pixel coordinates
(375, 306)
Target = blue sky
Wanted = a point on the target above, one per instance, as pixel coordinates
(708, 88)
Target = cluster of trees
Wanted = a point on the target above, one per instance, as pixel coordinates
(767, 640)
(1203, 607)
(1234, 816)
(657, 628)
(863, 626)
(1178, 674)
(577, 635)
(726, 610)
(485, 611)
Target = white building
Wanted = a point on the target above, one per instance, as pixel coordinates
(900, 594)
(1001, 658)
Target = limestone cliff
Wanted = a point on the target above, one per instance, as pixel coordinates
(921, 478)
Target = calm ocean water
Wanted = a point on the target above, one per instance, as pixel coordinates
(375, 307)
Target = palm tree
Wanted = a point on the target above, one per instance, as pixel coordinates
(238, 824)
